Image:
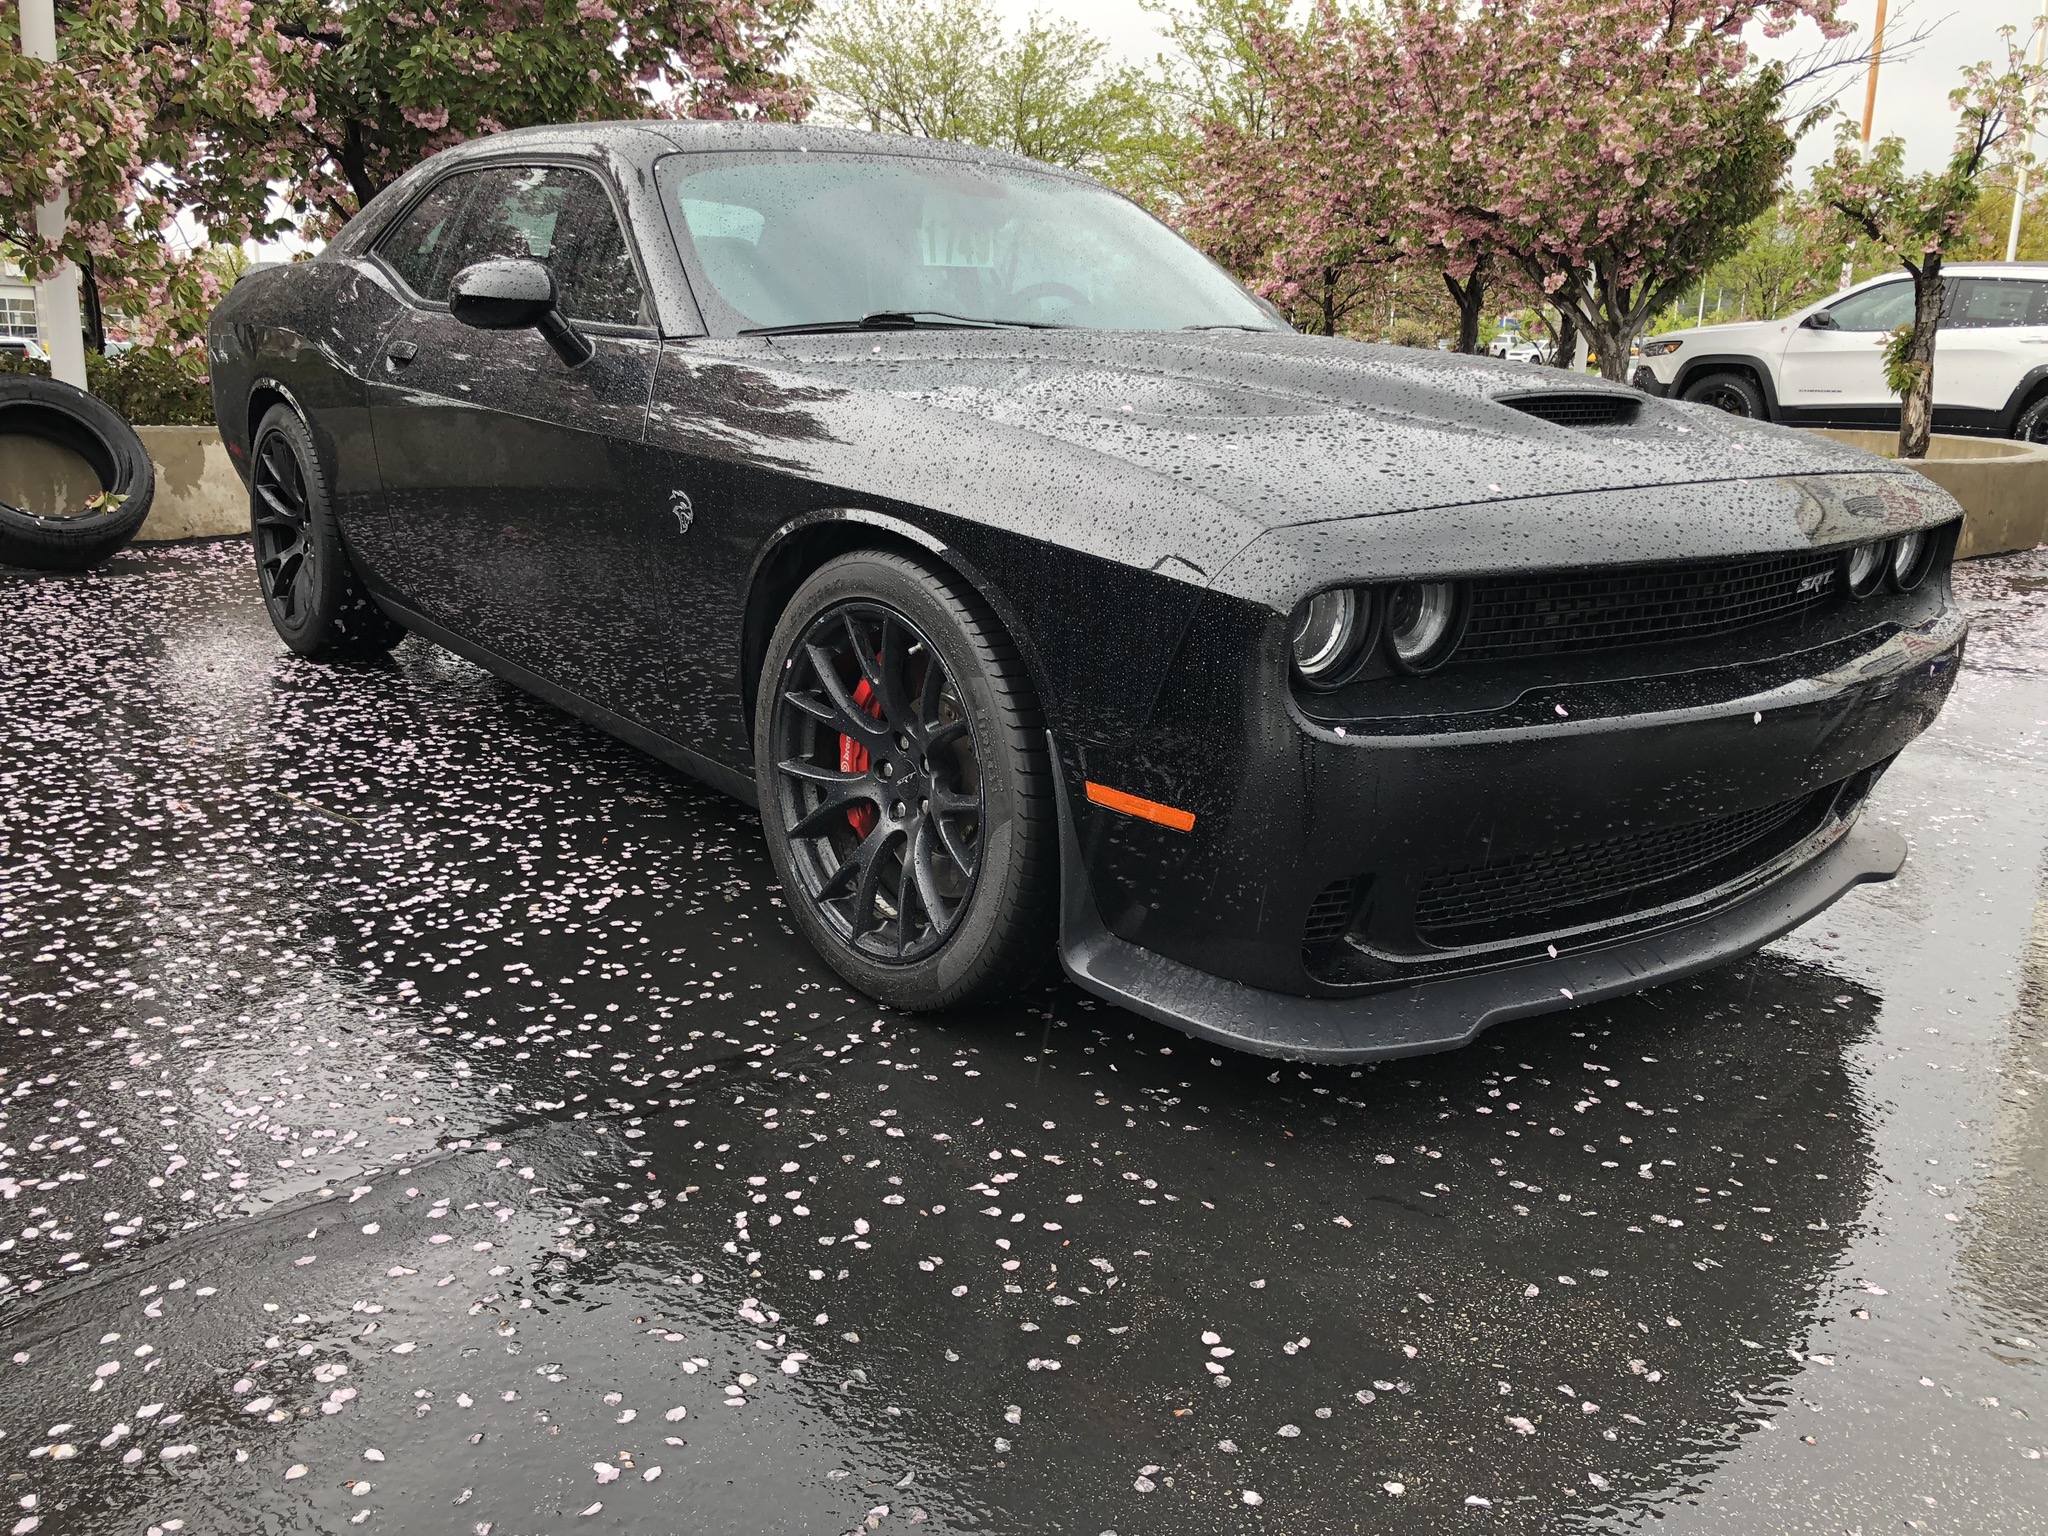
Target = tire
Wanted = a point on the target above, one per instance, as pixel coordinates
(964, 810)
(70, 418)
(2031, 426)
(1734, 393)
(316, 601)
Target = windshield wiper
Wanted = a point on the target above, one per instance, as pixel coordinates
(900, 320)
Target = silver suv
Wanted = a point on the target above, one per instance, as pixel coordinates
(1823, 366)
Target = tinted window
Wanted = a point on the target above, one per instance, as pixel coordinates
(1976, 302)
(1883, 308)
(793, 239)
(550, 214)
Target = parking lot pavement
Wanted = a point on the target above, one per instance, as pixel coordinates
(418, 1115)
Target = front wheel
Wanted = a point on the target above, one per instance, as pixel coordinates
(905, 786)
(315, 599)
(1729, 392)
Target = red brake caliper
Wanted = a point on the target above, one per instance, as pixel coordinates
(853, 758)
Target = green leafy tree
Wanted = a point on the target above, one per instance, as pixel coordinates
(945, 69)
(1865, 191)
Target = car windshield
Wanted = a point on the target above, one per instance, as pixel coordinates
(797, 240)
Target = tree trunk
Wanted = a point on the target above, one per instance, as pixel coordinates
(1916, 410)
(1567, 332)
(1470, 297)
(1612, 345)
(95, 317)
(1329, 302)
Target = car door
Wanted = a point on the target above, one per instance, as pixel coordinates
(1993, 332)
(1834, 361)
(508, 477)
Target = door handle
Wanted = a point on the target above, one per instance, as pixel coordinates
(399, 353)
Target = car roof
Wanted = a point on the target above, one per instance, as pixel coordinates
(644, 138)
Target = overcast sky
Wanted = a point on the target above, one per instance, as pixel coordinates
(1912, 97)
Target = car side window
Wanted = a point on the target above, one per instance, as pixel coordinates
(555, 215)
(1883, 308)
(418, 246)
(1977, 303)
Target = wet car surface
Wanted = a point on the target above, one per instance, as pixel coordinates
(420, 1115)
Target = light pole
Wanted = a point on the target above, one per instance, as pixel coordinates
(59, 325)
(1876, 56)
(2019, 186)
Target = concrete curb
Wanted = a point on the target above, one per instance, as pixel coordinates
(198, 493)
(2002, 485)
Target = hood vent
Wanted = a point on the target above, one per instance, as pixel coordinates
(1576, 409)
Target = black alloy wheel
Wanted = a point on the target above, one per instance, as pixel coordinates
(315, 599)
(2032, 426)
(1729, 392)
(904, 785)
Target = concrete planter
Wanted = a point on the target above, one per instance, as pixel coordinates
(2002, 485)
(198, 493)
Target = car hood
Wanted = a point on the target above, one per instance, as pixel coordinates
(1282, 429)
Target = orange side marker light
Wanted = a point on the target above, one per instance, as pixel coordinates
(1144, 810)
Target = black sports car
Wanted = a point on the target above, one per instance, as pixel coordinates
(1044, 590)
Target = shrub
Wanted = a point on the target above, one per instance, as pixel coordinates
(155, 388)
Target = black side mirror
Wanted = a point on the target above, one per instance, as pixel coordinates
(510, 293)
(1819, 320)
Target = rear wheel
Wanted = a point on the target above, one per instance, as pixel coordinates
(905, 786)
(2032, 425)
(1730, 392)
(315, 599)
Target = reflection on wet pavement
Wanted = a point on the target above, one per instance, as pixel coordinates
(420, 1116)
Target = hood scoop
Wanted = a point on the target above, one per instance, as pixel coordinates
(1576, 408)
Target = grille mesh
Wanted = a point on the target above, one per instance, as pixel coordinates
(1515, 616)
(1329, 914)
(1576, 410)
(1531, 892)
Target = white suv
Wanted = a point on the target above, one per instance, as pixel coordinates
(1823, 366)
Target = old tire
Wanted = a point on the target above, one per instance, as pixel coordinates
(1735, 393)
(905, 785)
(56, 413)
(316, 601)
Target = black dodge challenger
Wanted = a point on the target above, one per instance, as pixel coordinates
(1045, 591)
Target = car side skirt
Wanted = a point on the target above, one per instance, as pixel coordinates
(1444, 1014)
(674, 753)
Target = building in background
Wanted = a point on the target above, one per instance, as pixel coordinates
(17, 310)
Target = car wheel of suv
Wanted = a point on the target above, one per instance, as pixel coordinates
(2032, 426)
(1730, 392)
(905, 786)
(314, 597)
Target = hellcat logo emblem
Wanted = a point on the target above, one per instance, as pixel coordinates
(685, 512)
(1816, 582)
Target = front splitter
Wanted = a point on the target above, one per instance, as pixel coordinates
(1445, 1013)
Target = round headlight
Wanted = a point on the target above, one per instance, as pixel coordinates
(1863, 568)
(1912, 555)
(1326, 636)
(1423, 622)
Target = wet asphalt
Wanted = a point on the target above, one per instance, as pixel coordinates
(419, 1115)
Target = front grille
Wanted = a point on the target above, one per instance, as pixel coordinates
(1536, 892)
(1515, 616)
(1576, 410)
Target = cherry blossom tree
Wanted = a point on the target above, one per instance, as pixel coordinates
(1918, 219)
(254, 117)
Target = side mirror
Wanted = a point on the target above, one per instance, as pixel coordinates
(1819, 320)
(510, 293)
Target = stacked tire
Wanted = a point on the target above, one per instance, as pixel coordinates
(47, 411)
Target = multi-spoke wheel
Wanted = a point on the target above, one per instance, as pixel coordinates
(904, 784)
(312, 592)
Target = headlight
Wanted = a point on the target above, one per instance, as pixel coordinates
(1329, 631)
(1662, 348)
(1863, 568)
(1424, 621)
(1912, 558)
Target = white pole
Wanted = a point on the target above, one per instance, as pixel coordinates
(59, 324)
(2019, 189)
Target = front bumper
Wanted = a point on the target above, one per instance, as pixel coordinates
(1447, 1012)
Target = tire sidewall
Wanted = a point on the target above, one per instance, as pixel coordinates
(967, 955)
(312, 632)
(77, 542)
(1696, 394)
